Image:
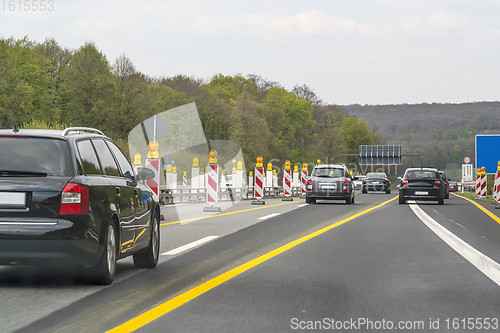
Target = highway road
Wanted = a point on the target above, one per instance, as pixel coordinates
(284, 267)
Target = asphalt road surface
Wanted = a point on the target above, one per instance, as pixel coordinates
(285, 267)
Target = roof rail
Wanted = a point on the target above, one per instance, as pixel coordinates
(80, 130)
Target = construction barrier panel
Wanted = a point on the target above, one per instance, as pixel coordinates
(269, 175)
(496, 185)
(212, 183)
(303, 179)
(195, 174)
(184, 179)
(287, 182)
(296, 180)
(259, 182)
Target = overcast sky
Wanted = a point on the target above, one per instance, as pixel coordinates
(349, 51)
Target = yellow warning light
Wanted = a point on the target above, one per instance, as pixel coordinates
(234, 170)
(295, 168)
(174, 170)
(185, 173)
(318, 161)
(304, 166)
(137, 159)
(274, 172)
(240, 165)
(213, 157)
(251, 173)
(169, 168)
(223, 171)
(196, 161)
(153, 149)
(259, 162)
(269, 166)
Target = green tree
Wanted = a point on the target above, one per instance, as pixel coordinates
(88, 89)
(355, 133)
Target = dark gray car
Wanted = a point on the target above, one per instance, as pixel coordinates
(330, 182)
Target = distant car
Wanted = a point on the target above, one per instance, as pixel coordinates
(453, 186)
(71, 197)
(330, 182)
(358, 180)
(376, 181)
(446, 185)
(421, 184)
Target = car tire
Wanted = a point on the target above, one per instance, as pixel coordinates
(348, 201)
(149, 259)
(402, 199)
(441, 201)
(308, 200)
(104, 272)
(388, 191)
(353, 199)
(447, 196)
(313, 200)
(363, 190)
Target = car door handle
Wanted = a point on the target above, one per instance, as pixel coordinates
(118, 191)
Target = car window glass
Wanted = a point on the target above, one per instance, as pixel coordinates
(124, 164)
(89, 158)
(107, 161)
(328, 172)
(50, 156)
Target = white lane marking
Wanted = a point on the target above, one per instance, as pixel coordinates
(189, 246)
(268, 216)
(303, 205)
(485, 264)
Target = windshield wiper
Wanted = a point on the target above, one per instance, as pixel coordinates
(7, 173)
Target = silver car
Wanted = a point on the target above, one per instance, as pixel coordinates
(330, 182)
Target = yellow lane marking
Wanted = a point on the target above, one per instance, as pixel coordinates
(487, 212)
(177, 301)
(239, 211)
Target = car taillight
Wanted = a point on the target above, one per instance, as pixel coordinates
(383, 181)
(404, 182)
(346, 185)
(365, 180)
(309, 185)
(437, 182)
(74, 200)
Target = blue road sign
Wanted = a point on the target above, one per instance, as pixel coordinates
(488, 152)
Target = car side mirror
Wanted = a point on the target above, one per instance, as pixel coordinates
(144, 174)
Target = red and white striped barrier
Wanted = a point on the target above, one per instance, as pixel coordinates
(304, 179)
(481, 184)
(496, 185)
(212, 183)
(259, 183)
(287, 182)
(184, 179)
(154, 184)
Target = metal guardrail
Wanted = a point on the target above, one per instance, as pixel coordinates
(171, 196)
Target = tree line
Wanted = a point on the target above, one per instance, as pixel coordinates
(44, 85)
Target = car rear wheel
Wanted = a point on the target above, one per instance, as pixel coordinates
(308, 200)
(149, 259)
(363, 190)
(402, 199)
(447, 196)
(441, 201)
(104, 272)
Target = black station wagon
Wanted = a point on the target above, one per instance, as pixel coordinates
(71, 197)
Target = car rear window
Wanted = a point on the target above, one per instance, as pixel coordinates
(421, 174)
(50, 156)
(376, 175)
(328, 172)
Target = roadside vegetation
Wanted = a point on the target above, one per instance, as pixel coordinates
(44, 85)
